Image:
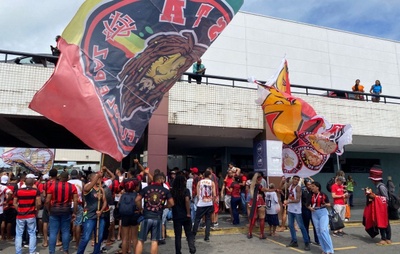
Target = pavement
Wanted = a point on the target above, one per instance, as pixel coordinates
(228, 238)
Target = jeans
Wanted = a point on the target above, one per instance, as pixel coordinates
(299, 220)
(386, 233)
(350, 198)
(88, 227)
(235, 210)
(193, 209)
(321, 222)
(55, 223)
(243, 200)
(19, 230)
(187, 226)
(306, 215)
(200, 212)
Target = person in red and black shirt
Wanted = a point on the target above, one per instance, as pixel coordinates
(317, 204)
(46, 217)
(59, 198)
(234, 189)
(10, 214)
(27, 202)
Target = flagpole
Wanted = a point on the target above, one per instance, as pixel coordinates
(337, 162)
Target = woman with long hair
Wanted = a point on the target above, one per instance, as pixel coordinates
(181, 214)
(318, 204)
(257, 205)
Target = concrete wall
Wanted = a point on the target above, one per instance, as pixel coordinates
(253, 45)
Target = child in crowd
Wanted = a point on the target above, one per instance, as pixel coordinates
(273, 208)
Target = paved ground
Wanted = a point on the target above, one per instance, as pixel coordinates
(231, 239)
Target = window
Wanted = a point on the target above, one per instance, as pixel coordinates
(359, 165)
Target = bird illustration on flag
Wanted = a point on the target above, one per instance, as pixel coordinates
(308, 138)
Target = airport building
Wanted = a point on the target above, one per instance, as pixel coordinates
(218, 121)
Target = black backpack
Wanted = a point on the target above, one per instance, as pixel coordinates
(127, 204)
(329, 184)
(394, 201)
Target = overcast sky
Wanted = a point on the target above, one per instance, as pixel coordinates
(31, 26)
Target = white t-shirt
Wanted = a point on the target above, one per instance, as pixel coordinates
(3, 191)
(79, 187)
(189, 185)
(205, 193)
(294, 207)
(272, 202)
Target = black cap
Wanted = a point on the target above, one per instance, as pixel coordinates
(74, 172)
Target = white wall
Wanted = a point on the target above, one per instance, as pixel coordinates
(253, 45)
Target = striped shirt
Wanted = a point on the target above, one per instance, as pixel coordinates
(62, 194)
(26, 202)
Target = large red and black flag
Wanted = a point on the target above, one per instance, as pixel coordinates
(308, 138)
(118, 58)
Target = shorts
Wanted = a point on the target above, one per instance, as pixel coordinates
(164, 216)
(227, 200)
(79, 216)
(216, 208)
(45, 217)
(112, 208)
(150, 225)
(341, 210)
(10, 215)
(131, 220)
(272, 219)
(40, 214)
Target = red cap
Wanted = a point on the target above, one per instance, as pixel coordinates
(375, 173)
(194, 170)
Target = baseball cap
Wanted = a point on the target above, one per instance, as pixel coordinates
(45, 177)
(194, 170)
(31, 176)
(74, 172)
(4, 179)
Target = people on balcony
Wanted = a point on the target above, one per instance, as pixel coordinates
(358, 88)
(376, 89)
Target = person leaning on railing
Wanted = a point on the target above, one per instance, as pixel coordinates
(358, 88)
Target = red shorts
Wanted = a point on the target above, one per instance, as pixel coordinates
(216, 207)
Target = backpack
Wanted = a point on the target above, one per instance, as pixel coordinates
(127, 204)
(329, 184)
(394, 201)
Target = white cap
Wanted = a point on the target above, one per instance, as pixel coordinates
(45, 177)
(31, 176)
(4, 179)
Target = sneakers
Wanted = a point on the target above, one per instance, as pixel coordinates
(262, 237)
(161, 242)
(337, 234)
(216, 224)
(249, 236)
(346, 220)
(343, 233)
(207, 240)
(292, 244)
(307, 247)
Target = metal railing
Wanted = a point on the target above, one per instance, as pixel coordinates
(43, 59)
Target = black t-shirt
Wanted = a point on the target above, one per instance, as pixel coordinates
(179, 209)
(154, 196)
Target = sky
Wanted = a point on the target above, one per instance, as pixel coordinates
(31, 26)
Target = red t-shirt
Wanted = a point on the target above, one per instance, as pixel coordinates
(338, 190)
(26, 202)
(228, 183)
(235, 190)
(62, 193)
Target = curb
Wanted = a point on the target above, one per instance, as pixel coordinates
(244, 229)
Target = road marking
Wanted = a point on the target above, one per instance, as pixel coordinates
(279, 243)
(346, 248)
